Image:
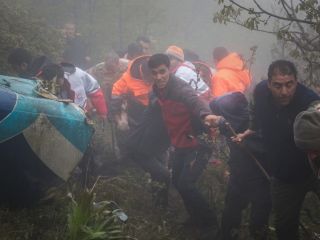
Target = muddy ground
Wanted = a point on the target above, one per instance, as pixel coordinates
(127, 185)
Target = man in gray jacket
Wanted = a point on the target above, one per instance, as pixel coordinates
(307, 135)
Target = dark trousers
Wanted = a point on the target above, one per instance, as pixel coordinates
(287, 202)
(187, 166)
(156, 167)
(241, 192)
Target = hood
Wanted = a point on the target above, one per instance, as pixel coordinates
(234, 108)
(232, 61)
(138, 68)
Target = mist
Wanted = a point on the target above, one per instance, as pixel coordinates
(108, 25)
(100, 141)
(188, 24)
(194, 29)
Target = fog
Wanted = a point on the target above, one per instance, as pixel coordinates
(108, 24)
(189, 24)
(196, 30)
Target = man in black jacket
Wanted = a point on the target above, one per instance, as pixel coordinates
(247, 184)
(185, 116)
(277, 102)
(76, 49)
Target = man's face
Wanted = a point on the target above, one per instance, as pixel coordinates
(283, 88)
(69, 30)
(160, 76)
(146, 48)
(174, 63)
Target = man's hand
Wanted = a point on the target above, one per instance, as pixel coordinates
(239, 137)
(212, 120)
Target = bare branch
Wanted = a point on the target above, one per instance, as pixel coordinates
(286, 26)
(258, 30)
(284, 5)
(263, 11)
(244, 8)
(280, 17)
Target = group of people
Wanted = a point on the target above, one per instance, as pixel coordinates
(163, 103)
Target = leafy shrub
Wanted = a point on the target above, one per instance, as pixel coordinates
(88, 220)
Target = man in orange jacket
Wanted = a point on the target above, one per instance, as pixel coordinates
(231, 73)
(132, 88)
(129, 99)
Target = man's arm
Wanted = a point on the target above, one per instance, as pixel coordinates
(119, 89)
(120, 86)
(198, 107)
(95, 94)
(253, 126)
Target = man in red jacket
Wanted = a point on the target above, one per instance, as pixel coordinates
(185, 116)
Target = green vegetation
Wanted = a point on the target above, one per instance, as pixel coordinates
(19, 28)
(94, 220)
(92, 214)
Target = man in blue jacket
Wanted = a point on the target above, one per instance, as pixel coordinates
(277, 101)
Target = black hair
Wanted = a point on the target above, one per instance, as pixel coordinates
(50, 71)
(37, 64)
(19, 56)
(219, 53)
(134, 50)
(143, 39)
(190, 55)
(282, 67)
(121, 53)
(158, 59)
